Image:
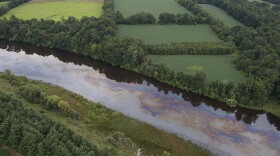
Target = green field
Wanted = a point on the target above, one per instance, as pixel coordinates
(57, 9)
(216, 67)
(157, 34)
(220, 15)
(155, 7)
(4, 3)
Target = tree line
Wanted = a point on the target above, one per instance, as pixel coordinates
(192, 48)
(31, 133)
(96, 37)
(12, 4)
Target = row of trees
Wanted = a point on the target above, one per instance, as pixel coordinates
(140, 18)
(164, 18)
(31, 133)
(168, 18)
(192, 48)
(12, 4)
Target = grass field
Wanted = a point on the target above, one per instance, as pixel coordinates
(97, 130)
(57, 9)
(157, 34)
(155, 7)
(220, 14)
(216, 67)
(4, 3)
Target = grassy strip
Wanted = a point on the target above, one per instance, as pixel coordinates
(216, 67)
(110, 131)
(56, 10)
(158, 34)
(220, 15)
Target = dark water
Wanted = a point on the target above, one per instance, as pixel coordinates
(227, 131)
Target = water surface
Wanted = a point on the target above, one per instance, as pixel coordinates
(227, 131)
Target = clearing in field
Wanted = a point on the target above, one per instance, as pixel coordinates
(220, 15)
(57, 9)
(157, 34)
(216, 67)
(155, 7)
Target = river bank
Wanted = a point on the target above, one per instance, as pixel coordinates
(192, 117)
(130, 133)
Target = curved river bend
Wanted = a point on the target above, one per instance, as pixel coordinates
(227, 131)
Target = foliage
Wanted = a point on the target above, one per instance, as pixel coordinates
(276, 8)
(71, 34)
(119, 138)
(32, 133)
(18, 81)
(167, 18)
(192, 48)
(141, 18)
(35, 95)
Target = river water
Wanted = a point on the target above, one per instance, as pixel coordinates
(226, 131)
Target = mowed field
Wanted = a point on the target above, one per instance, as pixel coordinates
(155, 7)
(221, 15)
(57, 9)
(157, 34)
(216, 67)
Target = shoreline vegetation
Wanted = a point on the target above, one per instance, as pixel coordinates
(99, 40)
(256, 45)
(111, 132)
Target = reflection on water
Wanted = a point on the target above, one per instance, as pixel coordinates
(228, 131)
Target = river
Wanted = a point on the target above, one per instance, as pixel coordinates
(224, 130)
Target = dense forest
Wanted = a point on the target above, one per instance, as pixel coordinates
(34, 134)
(257, 44)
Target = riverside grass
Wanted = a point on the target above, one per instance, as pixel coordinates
(157, 34)
(220, 15)
(155, 7)
(216, 67)
(98, 132)
(56, 9)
